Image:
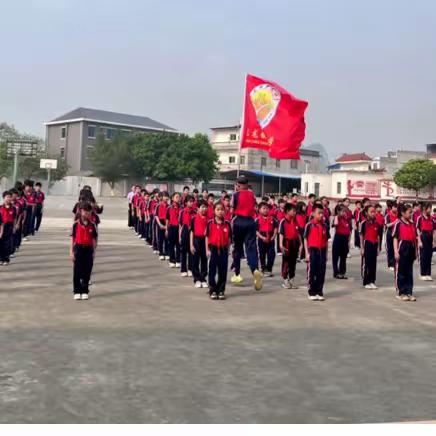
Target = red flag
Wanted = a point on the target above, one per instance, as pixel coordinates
(273, 119)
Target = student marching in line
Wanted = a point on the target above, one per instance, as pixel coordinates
(290, 245)
(279, 215)
(356, 214)
(19, 204)
(133, 208)
(244, 232)
(227, 209)
(404, 237)
(30, 197)
(145, 217)
(266, 233)
(381, 224)
(210, 206)
(416, 211)
(311, 201)
(172, 231)
(185, 218)
(82, 251)
(301, 219)
(218, 239)
(152, 226)
(425, 227)
(160, 216)
(198, 245)
(391, 219)
(40, 198)
(315, 242)
(8, 215)
(369, 246)
(341, 241)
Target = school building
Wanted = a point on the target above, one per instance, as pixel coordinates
(264, 174)
(358, 175)
(72, 135)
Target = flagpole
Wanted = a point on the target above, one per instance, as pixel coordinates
(242, 128)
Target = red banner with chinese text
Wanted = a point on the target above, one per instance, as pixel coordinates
(273, 119)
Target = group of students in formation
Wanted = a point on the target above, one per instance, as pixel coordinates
(194, 233)
(20, 217)
(83, 241)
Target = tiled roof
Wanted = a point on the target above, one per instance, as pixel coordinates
(355, 157)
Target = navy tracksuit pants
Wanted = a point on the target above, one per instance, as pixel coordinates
(339, 254)
(154, 235)
(369, 262)
(199, 260)
(218, 263)
(83, 264)
(425, 253)
(244, 234)
(162, 242)
(129, 218)
(316, 270)
(29, 222)
(404, 268)
(6, 242)
(185, 252)
(173, 244)
(390, 255)
(289, 258)
(38, 217)
(357, 237)
(267, 254)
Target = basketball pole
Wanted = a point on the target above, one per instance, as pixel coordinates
(15, 171)
(48, 179)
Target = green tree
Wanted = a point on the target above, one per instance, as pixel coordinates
(112, 160)
(170, 157)
(415, 174)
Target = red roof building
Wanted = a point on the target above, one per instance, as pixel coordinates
(355, 157)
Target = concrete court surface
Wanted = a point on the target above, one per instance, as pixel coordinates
(149, 348)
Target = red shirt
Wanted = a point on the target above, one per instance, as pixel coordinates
(209, 212)
(425, 224)
(416, 215)
(316, 234)
(266, 225)
(185, 216)
(173, 214)
(40, 197)
(30, 198)
(280, 214)
(7, 214)
(227, 214)
(343, 226)
(370, 230)
(289, 229)
(243, 203)
(301, 220)
(198, 225)
(161, 211)
(218, 234)
(84, 234)
(151, 206)
(380, 219)
(404, 231)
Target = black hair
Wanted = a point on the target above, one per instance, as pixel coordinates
(288, 207)
(338, 209)
(265, 198)
(14, 191)
(262, 204)
(5, 193)
(210, 196)
(223, 191)
(365, 200)
(165, 194)
(377, 205)
(86, 206)
(38, 184)
(174, 194)
(143, 190)
(301, 207)
(416, 203)
(317, 206)
(204, 190)
(195, 191)
(403, 207)
(201, 203)
(311, 196)
(426, 205)
(218, 203)
(294, 194)
(345, 199)
(357, 202)
(272, 197)
(226, 197)
(280, 201)
(186, 187)
(188, 198)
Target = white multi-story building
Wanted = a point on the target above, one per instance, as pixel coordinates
(274, 175)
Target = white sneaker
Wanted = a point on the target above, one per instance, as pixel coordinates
(286, 284)
(368, 286)
(189, 273)
(429, 278)
(197, 284)
(321, 298)
(172, 265)
(313, 297)
(178, 265)
(155, 252)
(184, 274)
(293, 285)
(348, 256)
(391, 268)
(423, 278)
(12, 256)
(77, 297)
(279, 254)
(204, 285)
(161, 257)
(85, 297)
(167, 258)
(373, 286)
(25, 239)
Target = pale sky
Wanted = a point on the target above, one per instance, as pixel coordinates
(367, 68)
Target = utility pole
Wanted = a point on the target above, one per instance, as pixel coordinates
(15, 171)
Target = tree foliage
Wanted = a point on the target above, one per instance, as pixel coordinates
(415, 174)
(170, 157)
(112, 160)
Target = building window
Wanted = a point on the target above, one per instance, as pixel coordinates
(91, 132)
(242, 160)
(263, 161)
(338, 187)
(306, 187)
(232, 136)
(89, 150)
(277, 163)
(63, 132)
(232, 159)
(294, 164)
(316, 189)
(62, 151)
(110, 133)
